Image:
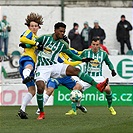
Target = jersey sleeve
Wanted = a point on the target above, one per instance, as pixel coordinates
(26, 38)
(65, 58)
(108, 62)
(71, 55)
(72, 63)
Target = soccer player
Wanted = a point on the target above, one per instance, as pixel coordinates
(29, 58)
(47, 66)
(66, 81)
(94, 69)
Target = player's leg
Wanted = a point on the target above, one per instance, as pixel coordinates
(108, 92)
(70, 83)
(27, 98)
(51, 85)
(78, 86)
(41, 76)
(82, 86)
(30, 85)
(109, 99)
(40, 89)
(27, 67)
(72, 71)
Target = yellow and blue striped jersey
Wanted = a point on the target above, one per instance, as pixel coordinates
(29, 38)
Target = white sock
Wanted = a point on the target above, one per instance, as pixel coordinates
(26, 72)
(46, 97)
(26, 100)
(78, 104)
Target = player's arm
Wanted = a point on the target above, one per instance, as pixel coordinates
(75, 57)
(71, 55)
(108, 62)
(79, 52)
(26, 38)
(110, 65)
(65, 59)
(72, 63)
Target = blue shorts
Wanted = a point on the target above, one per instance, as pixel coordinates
(24, 61)
(66, 81)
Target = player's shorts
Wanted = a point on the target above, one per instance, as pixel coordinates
(43, 73)
(86, 85)
(66, 81)
(24, 61)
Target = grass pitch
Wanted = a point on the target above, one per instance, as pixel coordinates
(96, 120)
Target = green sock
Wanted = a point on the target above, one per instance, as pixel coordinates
(74, 106)
(40, 102)
(109, 99)
(85, 77)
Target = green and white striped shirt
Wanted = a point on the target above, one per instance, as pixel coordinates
(51, 49)
(94, 68)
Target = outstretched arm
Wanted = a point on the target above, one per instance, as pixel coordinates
(75, 57)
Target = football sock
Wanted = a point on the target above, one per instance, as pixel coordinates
(40, 102)
(26, 72)
(74, 106)
(26, 100)
(85, 77)
(109, 99)
(46, 97)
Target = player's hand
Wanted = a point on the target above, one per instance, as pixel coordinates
(113, 73)
(22, 45)
(39, 46)
(87, 59)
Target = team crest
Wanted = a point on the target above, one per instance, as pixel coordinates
(94, 63)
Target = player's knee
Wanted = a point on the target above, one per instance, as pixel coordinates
(40, 87)
(107, 90)
(77, 87)
(52, 83)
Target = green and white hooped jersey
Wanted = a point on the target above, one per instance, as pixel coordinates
(94, 68)
(50, 50)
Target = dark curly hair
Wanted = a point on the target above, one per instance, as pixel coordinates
(35, 17)
(59, 24)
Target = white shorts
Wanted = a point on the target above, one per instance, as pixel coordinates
(51, 71)
(86, 85)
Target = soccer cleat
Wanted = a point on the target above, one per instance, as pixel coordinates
(22, 114)
(82, 108)
(71, 112)
(101, 86)
(112, 111)
(41, 116)
(28, 79)
(38, 111)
